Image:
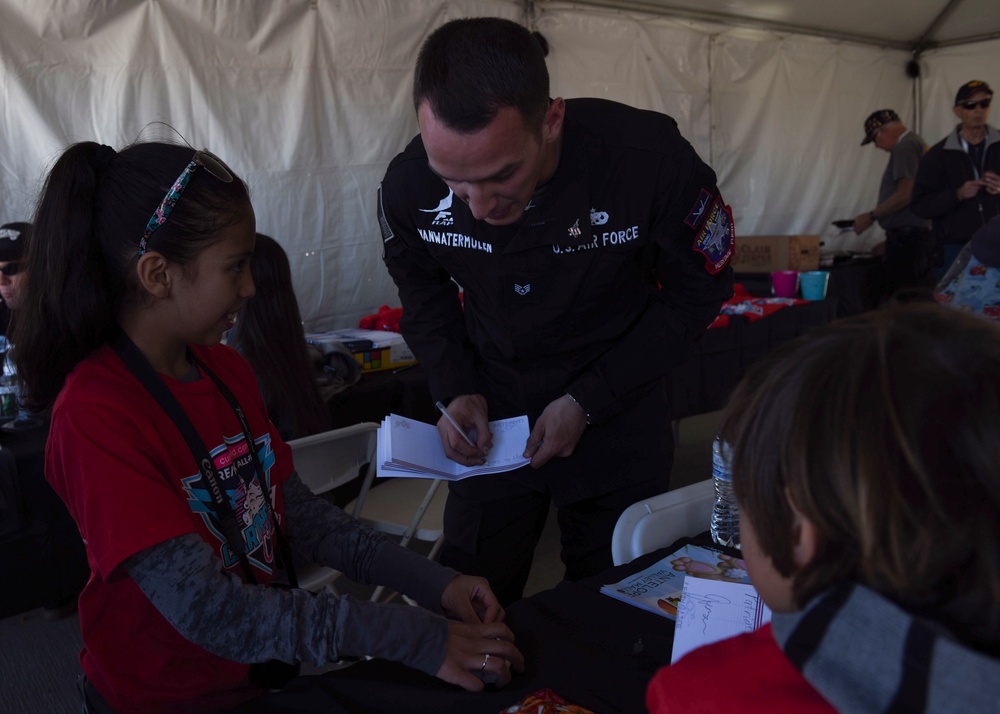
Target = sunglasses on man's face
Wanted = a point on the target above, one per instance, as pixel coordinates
(11, 268)
(982, 104)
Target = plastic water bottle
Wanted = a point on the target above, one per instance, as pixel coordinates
(725, 525)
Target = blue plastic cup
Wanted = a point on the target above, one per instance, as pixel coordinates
(813, 283)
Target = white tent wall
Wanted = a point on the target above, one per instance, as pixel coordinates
(779, 117)
(309, 100)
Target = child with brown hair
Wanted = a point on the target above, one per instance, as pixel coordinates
(865, 462)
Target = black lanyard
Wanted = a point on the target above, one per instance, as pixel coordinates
(139, 366)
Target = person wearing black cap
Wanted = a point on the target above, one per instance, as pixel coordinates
(907, 258)
(13, 239)
(958, 182)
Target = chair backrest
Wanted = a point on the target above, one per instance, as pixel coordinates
(659, 521)
(333, 458)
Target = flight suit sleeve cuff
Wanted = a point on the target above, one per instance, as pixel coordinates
(593, 394)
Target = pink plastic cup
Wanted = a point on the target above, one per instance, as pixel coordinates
(785, 283)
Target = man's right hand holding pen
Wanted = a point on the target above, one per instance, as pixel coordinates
(466, 420)
(465, 432)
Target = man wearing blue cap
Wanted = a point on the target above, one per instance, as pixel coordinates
(958, 184)
(907, 258)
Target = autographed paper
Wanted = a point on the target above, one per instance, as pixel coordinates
(712, 610)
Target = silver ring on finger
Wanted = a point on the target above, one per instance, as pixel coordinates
(486, 661)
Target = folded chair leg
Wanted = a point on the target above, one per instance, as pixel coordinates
(408, 536)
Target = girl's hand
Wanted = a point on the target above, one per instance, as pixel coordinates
(471, 600)
(477, 655)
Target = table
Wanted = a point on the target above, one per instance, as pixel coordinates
(699, 385)
(855, 285)
(48, 563)
(704, 381)
(589, 648)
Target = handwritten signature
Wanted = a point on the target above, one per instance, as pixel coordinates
(689, 601)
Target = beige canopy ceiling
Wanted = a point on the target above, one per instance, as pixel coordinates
(901, 24)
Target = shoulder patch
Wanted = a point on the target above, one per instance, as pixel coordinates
(717, 238)
(697, 211)
(383, 223)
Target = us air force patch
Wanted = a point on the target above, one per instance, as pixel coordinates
(717, 238)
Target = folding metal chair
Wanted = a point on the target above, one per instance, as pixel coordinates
(409, 508)
(325, 461)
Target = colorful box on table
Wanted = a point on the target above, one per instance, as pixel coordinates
(764, 254)
(374, 349)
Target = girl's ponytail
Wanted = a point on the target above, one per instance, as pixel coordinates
(66, 309)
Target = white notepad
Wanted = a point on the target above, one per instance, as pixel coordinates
(412, 449)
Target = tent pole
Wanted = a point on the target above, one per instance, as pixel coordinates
(925, 39)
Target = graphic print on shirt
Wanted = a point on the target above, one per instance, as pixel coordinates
(237, 476)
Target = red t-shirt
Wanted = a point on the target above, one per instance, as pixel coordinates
(747, 674)
(131, 482)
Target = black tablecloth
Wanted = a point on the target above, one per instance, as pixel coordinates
(588, 648)
(49, 563)
(703, 382)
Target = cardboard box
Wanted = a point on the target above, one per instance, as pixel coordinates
(763, 254)
(373, 349)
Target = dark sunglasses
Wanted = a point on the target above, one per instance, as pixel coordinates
(982, 104)
(11, 268)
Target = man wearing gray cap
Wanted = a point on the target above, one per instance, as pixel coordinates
(958, 183)
(907, 258)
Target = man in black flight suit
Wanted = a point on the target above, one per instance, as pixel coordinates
(593, 249)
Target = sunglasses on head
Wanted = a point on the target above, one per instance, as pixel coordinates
(11, 268)
(982, 104)
(204, 158)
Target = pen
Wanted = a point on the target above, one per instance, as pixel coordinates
(451, 420)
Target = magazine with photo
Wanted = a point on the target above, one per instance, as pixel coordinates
(658, 588)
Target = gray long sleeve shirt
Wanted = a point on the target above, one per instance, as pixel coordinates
(246, 623)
